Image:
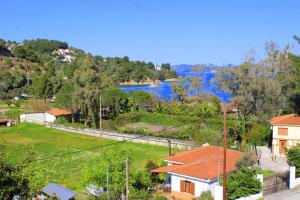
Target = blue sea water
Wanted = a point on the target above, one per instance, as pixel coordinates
(164, 90)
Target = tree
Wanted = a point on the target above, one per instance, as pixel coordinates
(180, 92)
(141, 100)
(259, 88)
(196, 84)
(242, 183)
(12, 181)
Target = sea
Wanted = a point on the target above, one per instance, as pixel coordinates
(187, 73)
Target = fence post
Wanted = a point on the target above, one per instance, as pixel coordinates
(292, 181)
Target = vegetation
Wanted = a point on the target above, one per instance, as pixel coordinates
(68, 170)
(293, 157)
(242, 183)
(206, 196)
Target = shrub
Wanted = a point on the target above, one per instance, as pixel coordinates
(134, 130)
(242, 183)
(206, 196)
(293, 157)
(245, 161)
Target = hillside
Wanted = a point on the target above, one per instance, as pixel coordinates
(24, 65)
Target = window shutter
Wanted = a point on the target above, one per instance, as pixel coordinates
(192, 189)
(181, 185)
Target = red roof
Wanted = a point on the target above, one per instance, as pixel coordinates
(202, 163)
(291, 119)
(59, 112)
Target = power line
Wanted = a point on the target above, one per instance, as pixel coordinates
(99, 146)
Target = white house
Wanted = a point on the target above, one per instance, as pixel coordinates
(193, 172)
(286, 133)
(47, 117)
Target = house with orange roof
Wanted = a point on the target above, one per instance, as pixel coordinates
(192, 172)
(49, 116)
(285, 133)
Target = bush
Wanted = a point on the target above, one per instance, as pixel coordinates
(134, 130)
(243, 183)
(206, 196)
(293, 157)
(259, 134)
(245, 161)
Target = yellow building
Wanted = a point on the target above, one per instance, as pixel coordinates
(286, 133)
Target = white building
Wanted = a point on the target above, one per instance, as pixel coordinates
(286, 133)
(193, 172)
(49, 116)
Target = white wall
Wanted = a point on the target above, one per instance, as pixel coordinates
(293, 180)
(49, 118)
(200, 186)
(292, 138)
(38, 118)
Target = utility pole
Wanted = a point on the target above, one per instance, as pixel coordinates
(127, 184)
(170, 147)
(107, 193)
(100, 123)
(224, 156)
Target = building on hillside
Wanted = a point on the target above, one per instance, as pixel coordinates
(192, 172)
(49, 116)
(285, 133)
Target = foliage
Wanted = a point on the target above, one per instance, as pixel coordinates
(116, 100)
(114, 159)
(246, 160)
(11, 179)
(37, 105)
(242, 183)
(68, 170)
(11, 84)
(180, 93)
(134, 130)
(140, 100)
(259, 134)
(293, 157)
(206, 196)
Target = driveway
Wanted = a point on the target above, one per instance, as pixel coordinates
(266, 162)
(285, 195)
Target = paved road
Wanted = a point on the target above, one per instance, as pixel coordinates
(266, 162)
(285, 195)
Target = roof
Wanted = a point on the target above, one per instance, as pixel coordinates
(291, 119)
(202, 163)
(59, 112)
(62, 193)
(3, 120)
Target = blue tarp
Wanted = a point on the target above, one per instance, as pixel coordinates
(53, 189)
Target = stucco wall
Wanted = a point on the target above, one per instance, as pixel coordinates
(292, 138)
(49, 118)
(200, 186)
(38, 118)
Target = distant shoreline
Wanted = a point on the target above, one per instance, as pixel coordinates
(148, 82)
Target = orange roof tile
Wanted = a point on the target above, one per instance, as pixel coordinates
(59, 112)
(291, 119)
(202, 163)
(165, 169)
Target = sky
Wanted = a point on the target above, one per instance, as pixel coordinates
(174, 31)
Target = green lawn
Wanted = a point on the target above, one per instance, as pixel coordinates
(67, 170)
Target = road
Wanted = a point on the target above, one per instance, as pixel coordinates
(266, 162)
(285, 195)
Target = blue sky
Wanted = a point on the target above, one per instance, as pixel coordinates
(185, 31)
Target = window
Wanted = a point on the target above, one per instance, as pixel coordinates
(282, 131)
(187, 186)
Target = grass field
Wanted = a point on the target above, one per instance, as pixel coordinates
(67, 170)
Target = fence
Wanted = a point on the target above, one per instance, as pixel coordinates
(127, 137)
(276, 182)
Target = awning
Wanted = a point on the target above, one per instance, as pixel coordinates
(165, 169)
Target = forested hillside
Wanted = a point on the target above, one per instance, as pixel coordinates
(41, 67)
